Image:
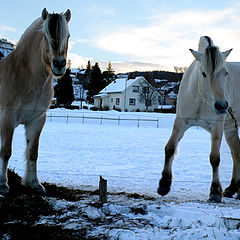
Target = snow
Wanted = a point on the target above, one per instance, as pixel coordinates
(74, 151)
(119, 85)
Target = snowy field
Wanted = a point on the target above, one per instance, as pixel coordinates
(75, 150)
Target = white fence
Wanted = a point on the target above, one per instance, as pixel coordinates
(113, 120)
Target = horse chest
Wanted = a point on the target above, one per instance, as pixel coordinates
(33, 105)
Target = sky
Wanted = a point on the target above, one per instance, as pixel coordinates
(134, 35)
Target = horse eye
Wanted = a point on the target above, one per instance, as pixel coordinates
(204, 74)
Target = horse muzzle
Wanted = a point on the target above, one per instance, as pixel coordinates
(58, 67)
(221, 107)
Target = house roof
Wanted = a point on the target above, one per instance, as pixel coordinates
(119, 85)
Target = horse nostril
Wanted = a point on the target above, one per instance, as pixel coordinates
(63, 62)
(59, 63)
(221, 106)
(55, 63)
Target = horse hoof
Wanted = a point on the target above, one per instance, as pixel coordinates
(163, 190)
(215, 198)
(228, 194)
(40, 190)
(36, 188)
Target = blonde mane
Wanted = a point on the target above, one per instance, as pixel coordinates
(212, 58)
(55, 38)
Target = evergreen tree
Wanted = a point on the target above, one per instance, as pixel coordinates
(88, 71)
(96, 83)
(109, 75)
(64, 90)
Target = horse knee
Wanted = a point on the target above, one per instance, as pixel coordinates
(214, 160)
(169, 151)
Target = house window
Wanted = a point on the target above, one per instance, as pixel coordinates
(132, 101)
(111, 99)
(135, 88)
(117, 101)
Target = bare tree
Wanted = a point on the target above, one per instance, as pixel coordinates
(180, 69)
(147, 94)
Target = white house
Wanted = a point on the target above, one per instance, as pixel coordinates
(5, 47)
(128, 95)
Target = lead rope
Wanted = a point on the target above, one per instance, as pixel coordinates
(233, 118)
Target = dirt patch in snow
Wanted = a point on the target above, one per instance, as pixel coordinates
(27, 215)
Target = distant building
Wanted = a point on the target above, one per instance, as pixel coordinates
(5, 47)
(79, 78)
(124, 94)
(168, 91)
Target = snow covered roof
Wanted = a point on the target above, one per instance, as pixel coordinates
(78, 70)
(172, 95)
(161, 80)
(119, 85)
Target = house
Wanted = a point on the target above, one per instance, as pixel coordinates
(128, 95)
(168, 91)
(5, 47)
(79, 78)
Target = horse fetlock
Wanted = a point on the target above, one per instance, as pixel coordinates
(165, 184)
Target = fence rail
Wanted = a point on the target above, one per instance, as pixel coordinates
(100, 119)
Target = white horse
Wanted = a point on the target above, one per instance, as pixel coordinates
(209, 97)
(26, 89)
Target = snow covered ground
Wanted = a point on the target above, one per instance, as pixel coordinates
(130, 155)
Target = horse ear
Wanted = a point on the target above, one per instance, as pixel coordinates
(197, 55)
(44, 14)
(67, 15)
(226, 53)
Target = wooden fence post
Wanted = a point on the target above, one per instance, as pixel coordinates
(103, 190)
(138, 122)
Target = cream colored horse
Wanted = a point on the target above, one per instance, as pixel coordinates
(26, 89)
(208, 97)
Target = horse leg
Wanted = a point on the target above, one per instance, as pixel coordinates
(170, 149)
(216, 138)
(233, 142)
(33, 131)
(5, 154)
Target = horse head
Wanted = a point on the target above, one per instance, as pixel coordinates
(56, 35)
(213, 73)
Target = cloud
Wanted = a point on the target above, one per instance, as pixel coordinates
(166, 38)
(129, 66)
(8, 28)
(118, 67)
(78, 61)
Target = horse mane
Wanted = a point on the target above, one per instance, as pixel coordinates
(213, 59)
(34, 27)
(204, 42)
(55, 29)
